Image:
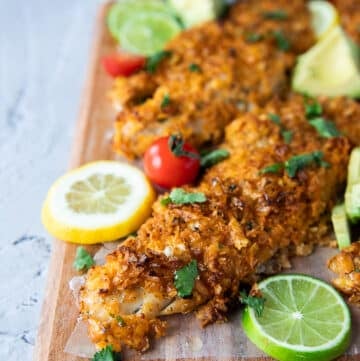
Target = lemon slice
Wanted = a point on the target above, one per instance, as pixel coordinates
(324, 17)
(331, 67)
(304, 319)
(99, 202)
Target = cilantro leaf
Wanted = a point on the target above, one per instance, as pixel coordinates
(83, 259)
(298, 162)
(166, 101)
(324, 127)
(179, 196)
(153, 61)
(214, 157)
(176, 145)
(107, 354)
(281, 40)
(287, 135)
(275, 118)
(275, 15)
(185, 279)
(120, 321)
(194, 68)
(273, 168)
(313, 109)
(253, 37)
(257, 303)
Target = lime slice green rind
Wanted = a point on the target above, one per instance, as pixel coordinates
(122, 10)
(304, 318)
(147, 33)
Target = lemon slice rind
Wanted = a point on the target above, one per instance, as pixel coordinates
(67, 223)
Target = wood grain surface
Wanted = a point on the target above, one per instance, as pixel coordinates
(92, 142)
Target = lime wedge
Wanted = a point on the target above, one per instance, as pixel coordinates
(352, 194)
(148, 32)
(304, 318)
(331, 67)
(341, 226)
(324, 17)
(124, 9)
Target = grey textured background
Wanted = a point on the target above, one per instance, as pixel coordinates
(44, 52)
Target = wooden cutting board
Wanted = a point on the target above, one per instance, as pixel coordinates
(92, 142)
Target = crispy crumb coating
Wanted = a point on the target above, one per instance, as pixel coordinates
(349, 11)
(235, 74)
(346, 265)
(247, 218)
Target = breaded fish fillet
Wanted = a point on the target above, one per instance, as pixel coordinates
(248, 217)
(346, 265)
(215, 72)
(349, 11)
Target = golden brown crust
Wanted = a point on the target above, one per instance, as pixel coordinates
(235, 75)
(346, 265)
(349, 11)
(247, 219)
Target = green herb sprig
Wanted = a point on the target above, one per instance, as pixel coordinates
(286, 134)
(184, 279)
(107, 354)
(153, 61)
(195, 68)
(325, 128)
(257, 303)
(179, 196)
(211, 158)
(282, 41)
(176, 145)
(275, 15)
(165, 101)
(83, 259)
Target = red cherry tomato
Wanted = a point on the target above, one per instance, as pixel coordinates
(123, 64)
(169, 162)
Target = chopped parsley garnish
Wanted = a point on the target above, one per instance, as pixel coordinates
(179, 196)
(176, 145)
(313, 109)
(166, 101)
(286, 134)
(153, 61)
(324, 127)
(194, 68)
(253, 37)
(107, 354)
(275, 15)
(185, 279)
(281, 40)
(273, 168)
(257, 303)
(83, 259)
(120, 321)
(213, 157)
(298, 162)
(274, 118)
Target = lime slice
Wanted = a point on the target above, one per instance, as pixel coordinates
(124, 9)
(341, 226)
(324, 17)
(304, 318)
(148, 32)
(330, 68)
(99, 202)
